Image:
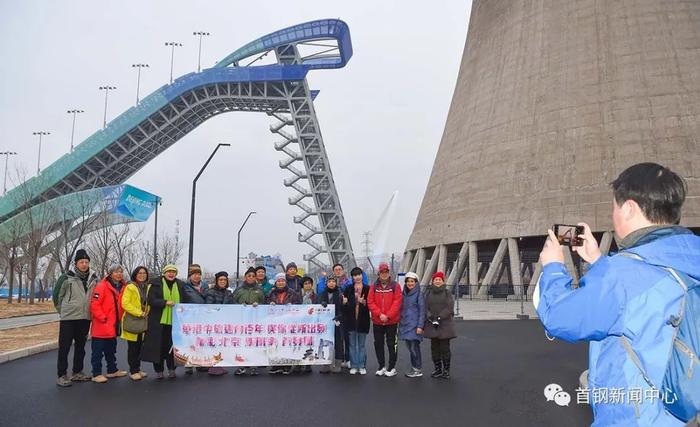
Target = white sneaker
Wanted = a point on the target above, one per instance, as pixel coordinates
(381, 372)
(363, 371)
(345, 364)
(353, 371)
(391, 373)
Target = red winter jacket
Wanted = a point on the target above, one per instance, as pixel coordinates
(105, 310)
(386, 301)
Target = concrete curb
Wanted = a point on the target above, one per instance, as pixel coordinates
(27, 351)
(28, 315)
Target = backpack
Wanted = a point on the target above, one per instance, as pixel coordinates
(57, 289)
(681, 383)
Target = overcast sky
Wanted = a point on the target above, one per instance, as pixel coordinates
(381, 116)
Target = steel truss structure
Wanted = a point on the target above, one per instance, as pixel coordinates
(280, 90)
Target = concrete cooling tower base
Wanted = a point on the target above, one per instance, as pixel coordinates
(554, 99)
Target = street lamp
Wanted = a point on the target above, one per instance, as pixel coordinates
(199, 55)
(138, 79)
(238, 247)
(194, 193)
(172, 56)
(7, 154)
(72, 132)
(159, 202)
(106, 89)
(38, 161)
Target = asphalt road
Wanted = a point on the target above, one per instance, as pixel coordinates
(499, 372)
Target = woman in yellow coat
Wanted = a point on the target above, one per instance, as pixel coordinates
(133, 301)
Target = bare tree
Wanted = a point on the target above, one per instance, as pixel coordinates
(125, 241)
(75, 222)
(35, 224)
(10, 252)
(99, 244)
(169, 251)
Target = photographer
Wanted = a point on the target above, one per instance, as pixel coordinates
(439, 324)
(624, 303)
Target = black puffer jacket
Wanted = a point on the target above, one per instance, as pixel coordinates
(334, 297)
(216, 295)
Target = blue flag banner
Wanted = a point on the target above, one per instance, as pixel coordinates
(243, 335)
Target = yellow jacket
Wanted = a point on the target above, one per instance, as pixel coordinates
(131, 303)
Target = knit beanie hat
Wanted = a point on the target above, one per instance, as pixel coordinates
(250, 270)
(194, 269)
(170, 267)
(280, 276)
(81, 254)
(290, 265)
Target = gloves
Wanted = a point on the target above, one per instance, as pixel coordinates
(337, 323)
(324, 304)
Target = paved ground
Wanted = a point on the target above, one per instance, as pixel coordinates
(36, 319)
(500, 369)
(494, 309)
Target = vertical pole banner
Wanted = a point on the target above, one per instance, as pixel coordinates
(266, 335)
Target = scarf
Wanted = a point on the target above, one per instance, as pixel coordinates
(142, 288)
(358, 295)
(169, 295)
(83, 276)
(307, 297)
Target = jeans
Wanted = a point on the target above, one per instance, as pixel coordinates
(70, 331)
(414, 350)
(108, 348)
(358, 350)
(134, 355)
(388, 331)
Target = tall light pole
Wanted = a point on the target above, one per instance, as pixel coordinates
(190, 253)
(7, 154)
(238, 247)
(199, 54)
(106, 89)
(38, 161)
(172, 56)
(159, 201)
(72, 132)
(138, 79)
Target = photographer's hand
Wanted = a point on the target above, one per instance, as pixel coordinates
(552, 251)
(590, 252)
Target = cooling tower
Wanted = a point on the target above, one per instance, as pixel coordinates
(553, 100)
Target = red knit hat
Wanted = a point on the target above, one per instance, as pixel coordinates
(439, 274)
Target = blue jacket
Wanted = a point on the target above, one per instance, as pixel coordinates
(191, 295)
(412, 314)
(623, 296)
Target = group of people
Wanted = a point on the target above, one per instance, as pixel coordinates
(139, 309)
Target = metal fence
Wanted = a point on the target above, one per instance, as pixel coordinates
(502, 292)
